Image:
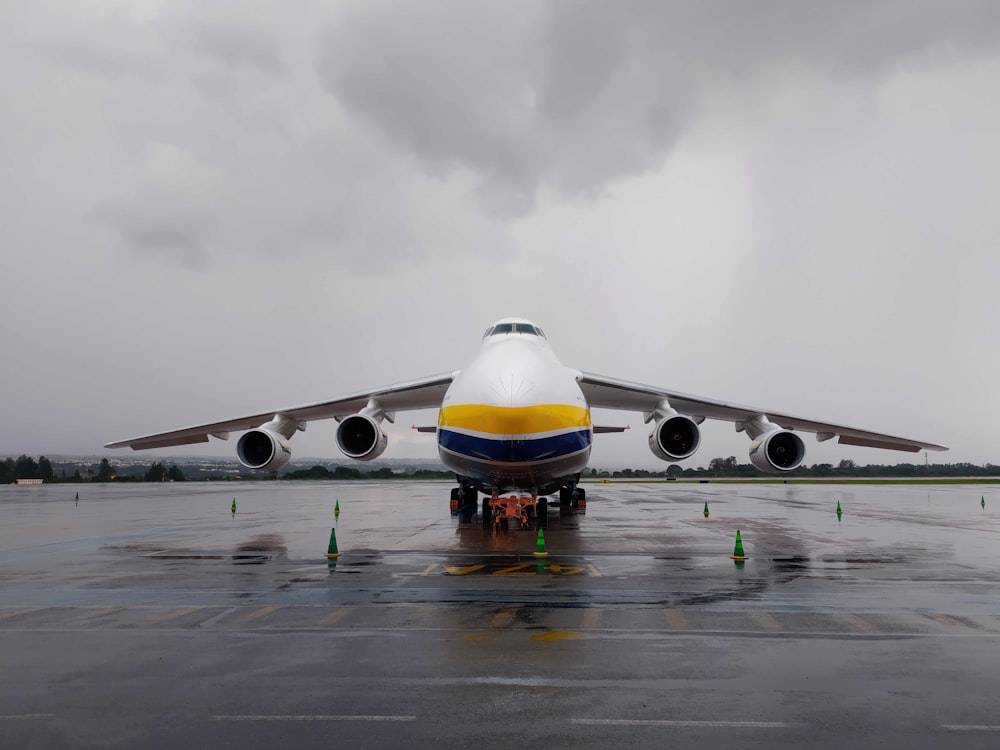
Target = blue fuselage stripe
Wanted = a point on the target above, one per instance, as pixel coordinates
(514, 451)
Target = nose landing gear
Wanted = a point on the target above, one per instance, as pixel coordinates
(514, 507)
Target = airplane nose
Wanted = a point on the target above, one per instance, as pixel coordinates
(515, 388)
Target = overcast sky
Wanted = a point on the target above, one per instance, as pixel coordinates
(215, 209)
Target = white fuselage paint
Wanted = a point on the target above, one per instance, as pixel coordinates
(515, 418)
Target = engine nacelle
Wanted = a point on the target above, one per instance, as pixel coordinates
(263, 450)
(777, 451)
(674, 438)
(360, 437)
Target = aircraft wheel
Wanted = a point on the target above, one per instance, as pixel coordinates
(542, 510)
(565, 496)
(456, 501)
(487, 511)
(469, 498)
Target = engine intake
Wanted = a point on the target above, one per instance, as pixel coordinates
(263, 450)
(674, 438)
(777, 451)
(360, 437)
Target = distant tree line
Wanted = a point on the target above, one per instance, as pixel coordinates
(25, 467)
(347, 472)
(729, 468)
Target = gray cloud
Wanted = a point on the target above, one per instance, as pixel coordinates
(213, 210)
(238, 43)
(575, 94)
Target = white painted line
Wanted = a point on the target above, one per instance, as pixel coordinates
(684, 723)
(296, 717)
(971, 727)
(26, 717)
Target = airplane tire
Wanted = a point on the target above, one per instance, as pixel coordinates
(469, 498)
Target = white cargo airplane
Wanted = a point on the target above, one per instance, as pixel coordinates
(516, 419)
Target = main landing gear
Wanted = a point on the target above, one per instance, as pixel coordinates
(463, 498)
(573, 497)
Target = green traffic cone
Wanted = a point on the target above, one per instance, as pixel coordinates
(78, 497)
(540, 545)
(336, 509)
(705, 512)
(234, 506)
(331, 550)
(839, 511)
(738, 554)
(982, 501)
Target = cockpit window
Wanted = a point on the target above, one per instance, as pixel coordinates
(513, 328)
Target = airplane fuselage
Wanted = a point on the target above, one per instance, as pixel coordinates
(515, 418)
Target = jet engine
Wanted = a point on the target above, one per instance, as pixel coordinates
(263, 449)
(674, 438)
(777, 451)
(360, 437)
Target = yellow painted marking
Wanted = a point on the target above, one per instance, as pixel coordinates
(176, 614)
(765, 621)
(261, 612)
(336, 616)
(591, 618)
(98, 614)
(523, 569)
(948, 620)
(858, 623)
(676, 619)
(20, 612)
(516, 420)
(504, 618)
(429, 569)
(564, 570)
(556, 635)
(455, 570)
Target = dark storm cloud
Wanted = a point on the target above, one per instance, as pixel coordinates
(575, 94)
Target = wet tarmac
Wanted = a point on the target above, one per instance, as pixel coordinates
(151, 616)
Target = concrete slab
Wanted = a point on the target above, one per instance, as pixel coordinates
(150, 616)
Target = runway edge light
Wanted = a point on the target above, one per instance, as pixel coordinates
(738, 554)
(331, 550)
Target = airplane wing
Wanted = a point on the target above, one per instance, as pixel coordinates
(425, 393)
(609, 393)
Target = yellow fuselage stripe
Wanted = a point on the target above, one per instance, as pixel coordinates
(514, 420)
